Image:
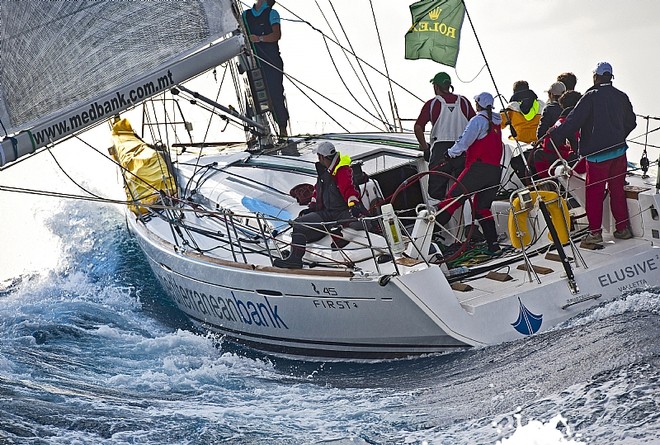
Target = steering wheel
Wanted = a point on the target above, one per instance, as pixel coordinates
(463, 243)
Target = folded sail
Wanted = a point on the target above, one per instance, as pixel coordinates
(145, 170)
(65, 64)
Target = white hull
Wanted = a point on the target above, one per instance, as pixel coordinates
(307, 313)
(341, 313)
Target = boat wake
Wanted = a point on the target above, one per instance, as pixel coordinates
(94, 352)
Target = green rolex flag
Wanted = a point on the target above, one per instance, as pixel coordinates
(436, 30)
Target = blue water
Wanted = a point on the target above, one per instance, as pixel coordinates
(93, 352)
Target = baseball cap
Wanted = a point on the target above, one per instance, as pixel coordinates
(484, 99)
(602, 68)
(326, 149)
(441, 78)
(557, 89)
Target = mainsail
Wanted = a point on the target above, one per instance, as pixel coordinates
(66, 65)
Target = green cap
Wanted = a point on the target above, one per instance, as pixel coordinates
(441, 78)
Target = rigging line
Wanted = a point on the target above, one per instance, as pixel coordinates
(235, 82)
(51, 194)
(648, 117)
(166, 146)
(359, 64)
(644, 134)
(382, 52)
(217, 97)
(171, 120)
(644, 144)
(378, 118)
(329, 100)
(604, 149)
(474, 31)
(301, 20)
(212, 169)
(471, 80)
(208, 127)
(182, 228)
(69, 176)
(121, 167)
(153, 129)
(241, 242)
(227, 118)
(204, 172)
(237, 79)
(167, 122)
(381, 117)
(291, 78)
(34, 153)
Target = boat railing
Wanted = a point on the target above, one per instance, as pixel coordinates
(547, 195)
(241, 237)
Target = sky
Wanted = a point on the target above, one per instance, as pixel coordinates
(531, 40)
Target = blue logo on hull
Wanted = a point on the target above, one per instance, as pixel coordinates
(527, 323)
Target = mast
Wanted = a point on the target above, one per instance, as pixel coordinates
(87, 113)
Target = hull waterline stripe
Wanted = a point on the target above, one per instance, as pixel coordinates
(239, 334)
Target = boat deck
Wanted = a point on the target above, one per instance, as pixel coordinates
(482, 289)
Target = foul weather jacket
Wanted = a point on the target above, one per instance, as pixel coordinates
(549, 117)
(334, 186)
(604, 116)
(524, 112)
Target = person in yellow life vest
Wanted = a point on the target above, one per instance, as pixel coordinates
(523, 113)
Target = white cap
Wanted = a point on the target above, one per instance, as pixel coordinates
(326, 149)
(484, 99)
(557, 89)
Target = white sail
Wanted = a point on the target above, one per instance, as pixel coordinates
(117, 54)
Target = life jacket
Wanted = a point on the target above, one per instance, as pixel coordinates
(525, 123)
(327, 189)
(450, 123)
(488, 149)
(525, 129)
(259, 25)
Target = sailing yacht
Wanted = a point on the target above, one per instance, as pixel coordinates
(211, 218)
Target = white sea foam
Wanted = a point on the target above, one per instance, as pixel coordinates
(539, 433)
(644, 300)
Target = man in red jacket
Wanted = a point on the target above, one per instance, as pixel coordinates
(335, 198)
(605, 117)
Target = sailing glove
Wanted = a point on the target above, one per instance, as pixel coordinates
(358, 210)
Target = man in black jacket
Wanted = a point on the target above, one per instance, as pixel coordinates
(335, 198)
(605, 118)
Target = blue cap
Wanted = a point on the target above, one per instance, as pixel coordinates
(602, 68)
